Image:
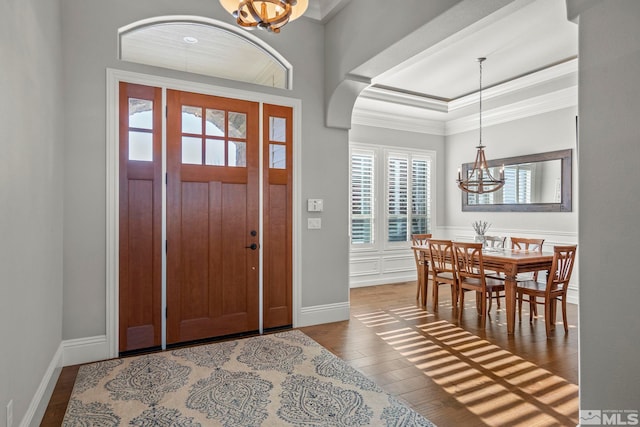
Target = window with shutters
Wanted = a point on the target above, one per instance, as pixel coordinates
(362, 197)
(401, 181)
(408, 199)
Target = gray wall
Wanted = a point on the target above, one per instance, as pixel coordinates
(89, 40)
(609, 205)
(31, 168)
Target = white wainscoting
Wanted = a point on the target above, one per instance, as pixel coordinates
(381, 267)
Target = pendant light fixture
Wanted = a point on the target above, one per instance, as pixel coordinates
(268, 15)
(479, 180)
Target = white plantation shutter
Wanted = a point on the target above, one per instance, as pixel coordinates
(362, 197)
(420, 195)
(401, 179)
(397, 197)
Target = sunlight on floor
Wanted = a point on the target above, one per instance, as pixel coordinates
(490, 381)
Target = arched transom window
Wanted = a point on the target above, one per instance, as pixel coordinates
(204, 46)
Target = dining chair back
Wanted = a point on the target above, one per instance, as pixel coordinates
(419, 240)
(553, 290)
(470, 275)
(526, 244)
(442, 271)
(496, 242)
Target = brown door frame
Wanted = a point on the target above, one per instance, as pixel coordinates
(108, 346)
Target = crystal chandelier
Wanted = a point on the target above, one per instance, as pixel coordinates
(479, 180)
(268, 15)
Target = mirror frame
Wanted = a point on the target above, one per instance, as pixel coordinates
(565, 156)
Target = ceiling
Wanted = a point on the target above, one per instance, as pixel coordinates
(535, 39)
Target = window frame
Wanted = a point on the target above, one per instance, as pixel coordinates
(380, 231)
(410, 155)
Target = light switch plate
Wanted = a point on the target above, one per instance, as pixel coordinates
(315, 205)
(314, 223)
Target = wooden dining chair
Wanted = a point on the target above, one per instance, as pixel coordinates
(442, 271)
(471, 276)
(495, 242)
(551, 291)
(526, 244)
(519, 243)
(419, 240)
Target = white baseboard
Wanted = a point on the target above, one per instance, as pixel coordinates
(41, 398)
(362, 282)
(85, 350)
(323, 314)
(70, 352)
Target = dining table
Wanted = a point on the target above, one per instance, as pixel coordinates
(510, 262)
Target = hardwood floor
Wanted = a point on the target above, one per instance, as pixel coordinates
(455, 375)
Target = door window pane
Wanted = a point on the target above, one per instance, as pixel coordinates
(237, 125)
(277, 129)
(141, 146)
(191, 150)
(237, 154)
(215, 122)
(214, 152)
(140, 114)
(191, 119)
(277, 156)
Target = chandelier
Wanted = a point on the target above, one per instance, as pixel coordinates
(268, 15)
(479, 180)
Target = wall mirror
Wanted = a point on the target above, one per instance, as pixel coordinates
(533, 183)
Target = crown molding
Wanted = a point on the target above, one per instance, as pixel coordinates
(388, 120)
(557, 100)
(411, 100)
(545, 75)
(323, 11)
(369, 115)
(383, 107)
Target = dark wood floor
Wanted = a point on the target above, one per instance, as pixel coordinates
(455, 375)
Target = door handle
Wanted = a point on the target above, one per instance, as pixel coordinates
(253, 247)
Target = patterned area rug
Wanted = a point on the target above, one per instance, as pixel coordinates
(271, 380)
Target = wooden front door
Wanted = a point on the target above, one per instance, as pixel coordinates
(212, 216)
